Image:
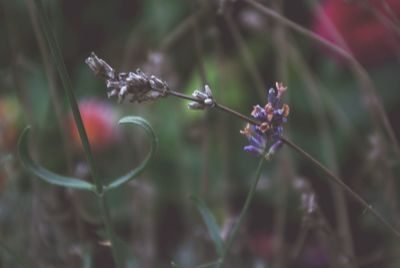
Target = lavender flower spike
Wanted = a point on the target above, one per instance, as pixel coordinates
(267, 135)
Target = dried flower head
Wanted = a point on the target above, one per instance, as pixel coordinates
(205, 99)
(268, 134)
(135, 85)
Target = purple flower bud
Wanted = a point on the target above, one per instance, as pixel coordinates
(267, 135)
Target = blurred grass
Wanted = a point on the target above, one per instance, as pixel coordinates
(198, 153)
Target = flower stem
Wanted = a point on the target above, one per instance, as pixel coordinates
(237, 114)
(182, 96)
(217, 105)
(244, 210)
(105, 213)
(67, 85)
(337, 180)
(316, 163)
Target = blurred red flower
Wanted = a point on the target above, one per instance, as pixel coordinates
(366, 27)
(99, 119)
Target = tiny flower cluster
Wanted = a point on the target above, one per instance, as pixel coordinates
(267, 135)
(137, 85)
(205, 99)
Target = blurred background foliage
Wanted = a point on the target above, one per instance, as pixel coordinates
(240, 53)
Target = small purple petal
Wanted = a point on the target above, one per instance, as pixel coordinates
(272, 96)
(253, 149)
(256, 141)
(279, 130)
(275, 147)
(258, 112)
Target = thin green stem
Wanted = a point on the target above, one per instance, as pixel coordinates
(337, 180)
(67, 85)
(244, 210)
(105, 213)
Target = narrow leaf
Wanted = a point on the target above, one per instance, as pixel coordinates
(153, 145)
(211, 224)
(45, 174)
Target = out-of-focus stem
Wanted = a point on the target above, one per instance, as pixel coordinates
(67, 85)
(337, 180)
(183, 28)
(105, 213)
(286, 169)
(328, 151)
(316, 163)
(62, 70)
(245, 54)
(378, 113)
(244, 210)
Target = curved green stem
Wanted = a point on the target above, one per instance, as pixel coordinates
(337, 180)
(244, 210)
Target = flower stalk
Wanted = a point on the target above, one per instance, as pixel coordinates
(263, 131)
(249, 198)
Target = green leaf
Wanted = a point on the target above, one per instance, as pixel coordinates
(133, 173)
(45, 174)
(212, 227)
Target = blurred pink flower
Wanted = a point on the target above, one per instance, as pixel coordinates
(370, 39)
(99, 119)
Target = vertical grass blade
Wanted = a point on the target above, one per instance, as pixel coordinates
(67, 85)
